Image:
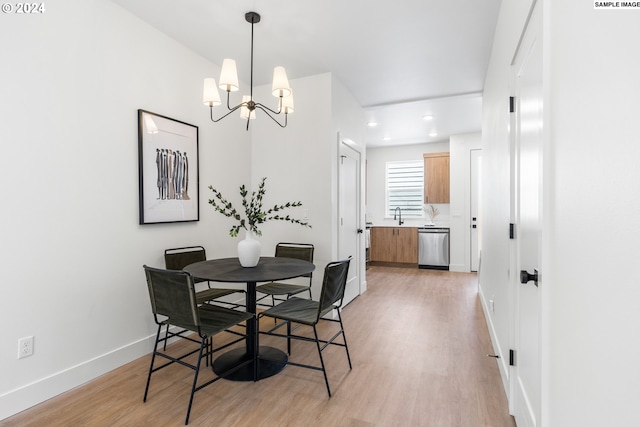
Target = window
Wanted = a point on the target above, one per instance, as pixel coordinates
(405, 187)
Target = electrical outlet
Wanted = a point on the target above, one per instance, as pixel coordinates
(25, 347)
(492, 306)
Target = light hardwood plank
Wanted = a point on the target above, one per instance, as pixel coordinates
(418, 342)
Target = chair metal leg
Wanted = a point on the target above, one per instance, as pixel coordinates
(289, 337)
(344, 337)
(209, 359)
(153, 359)
(166, 338)
(273, 304)
(203, 344)
(324, 371)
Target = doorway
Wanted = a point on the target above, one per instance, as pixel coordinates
(526, 204)
(475, 197)
(350, 230)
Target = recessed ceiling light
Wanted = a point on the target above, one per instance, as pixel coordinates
(386, 138)
(432, 134)
(427, 117)
(372, 124)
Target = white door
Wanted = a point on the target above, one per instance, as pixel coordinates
(476, 159)
(349, 234)
(527, 120)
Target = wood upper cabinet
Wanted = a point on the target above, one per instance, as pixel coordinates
(394, 244)
(436, 178)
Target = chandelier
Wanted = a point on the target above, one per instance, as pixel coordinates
(229, 82)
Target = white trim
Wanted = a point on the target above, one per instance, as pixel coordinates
(360, 151)
(26, 396)
(458, 268)
(503, 360)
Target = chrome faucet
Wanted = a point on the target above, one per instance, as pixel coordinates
(398, 213)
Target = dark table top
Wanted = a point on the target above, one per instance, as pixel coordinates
(268, 269)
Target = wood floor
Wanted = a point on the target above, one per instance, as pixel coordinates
(418, 342)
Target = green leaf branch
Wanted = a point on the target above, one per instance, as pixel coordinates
(254, 215)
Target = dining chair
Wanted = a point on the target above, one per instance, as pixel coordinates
(178, 258)
(306, 312)
(303, 251)
(174, 304)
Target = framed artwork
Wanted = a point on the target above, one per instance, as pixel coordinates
(167, 169)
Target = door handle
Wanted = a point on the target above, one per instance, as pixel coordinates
(526, 277)
(359, 231)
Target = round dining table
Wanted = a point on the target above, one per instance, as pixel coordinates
(270, 360)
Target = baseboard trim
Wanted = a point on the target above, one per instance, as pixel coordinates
(29, 395)
(503, 362)
(459, 268)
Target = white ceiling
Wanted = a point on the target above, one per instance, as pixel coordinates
(400, 59)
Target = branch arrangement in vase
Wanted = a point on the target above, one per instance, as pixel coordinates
(432, 212)
(254, 215)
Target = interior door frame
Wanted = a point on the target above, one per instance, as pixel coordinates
(517, 402)
(475, 189)
(358, 261)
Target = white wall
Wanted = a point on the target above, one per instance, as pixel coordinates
(301, 164)
(591, 293)
(71, 85)
(460, 200)
(495, 214)
(590, 318)
(295, 161)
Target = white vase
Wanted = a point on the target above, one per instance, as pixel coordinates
(249, 250)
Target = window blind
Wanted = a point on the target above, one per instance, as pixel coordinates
(405, 187)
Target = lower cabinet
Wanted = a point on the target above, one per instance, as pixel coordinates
(394, 244)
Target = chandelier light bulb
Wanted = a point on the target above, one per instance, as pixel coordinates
(287, 103)
(210, 95)
(229, 76)
(280, 86)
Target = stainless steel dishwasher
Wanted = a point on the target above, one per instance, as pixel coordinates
(433, 248)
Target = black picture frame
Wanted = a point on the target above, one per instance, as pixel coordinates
(168, 169)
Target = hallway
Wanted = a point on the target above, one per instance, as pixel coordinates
(433, 329)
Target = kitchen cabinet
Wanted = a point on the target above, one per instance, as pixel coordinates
(436, 177)
(394, 244)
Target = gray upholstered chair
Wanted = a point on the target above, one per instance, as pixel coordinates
(173, 303)
(303, 251)
(309, 313)
(179, 258)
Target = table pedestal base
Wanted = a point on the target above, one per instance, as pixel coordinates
(270, 362)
